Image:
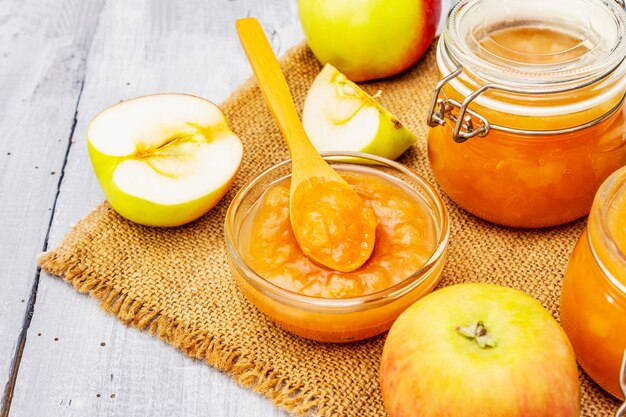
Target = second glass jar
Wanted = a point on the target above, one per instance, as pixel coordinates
(593, 299)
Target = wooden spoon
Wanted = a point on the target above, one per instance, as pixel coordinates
(331, 223)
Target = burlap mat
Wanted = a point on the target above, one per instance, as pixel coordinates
(176, 283)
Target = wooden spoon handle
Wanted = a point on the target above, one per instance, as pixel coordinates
(274, 87)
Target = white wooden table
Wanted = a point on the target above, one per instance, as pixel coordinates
(62, 61)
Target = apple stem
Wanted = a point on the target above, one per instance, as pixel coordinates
(478, 332)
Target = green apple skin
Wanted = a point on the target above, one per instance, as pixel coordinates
(147, 212)
(429, 369)
(369, 39)
(390, 127)
(333, 119)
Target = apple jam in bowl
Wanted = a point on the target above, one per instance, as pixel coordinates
(318, 303)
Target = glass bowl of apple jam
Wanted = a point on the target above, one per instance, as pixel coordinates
(528, 117)
(316, 302)
(593, 298)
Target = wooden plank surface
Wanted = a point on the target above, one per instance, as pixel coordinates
(79, 361)
(42, 54)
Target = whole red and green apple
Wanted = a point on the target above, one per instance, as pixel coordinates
(478, 350)
(369, 39)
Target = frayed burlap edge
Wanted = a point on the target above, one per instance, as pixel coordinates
(198, 344)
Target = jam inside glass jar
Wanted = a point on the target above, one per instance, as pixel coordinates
(528, 118)
(593, 299)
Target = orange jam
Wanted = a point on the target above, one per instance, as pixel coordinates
(324, 304)
(333, 225)
(405, 239)
(515, 181)
(593, 299)
(556, 126)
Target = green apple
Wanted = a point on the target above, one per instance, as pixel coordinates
(478, 350)
(369, 39)
(340, 116)
(163, 159)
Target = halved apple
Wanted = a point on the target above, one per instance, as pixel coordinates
(340, 116)
(163, 159)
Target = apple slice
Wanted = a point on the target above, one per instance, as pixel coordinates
(340, 116)
(163, 159)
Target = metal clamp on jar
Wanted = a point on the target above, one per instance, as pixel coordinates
(528, 118)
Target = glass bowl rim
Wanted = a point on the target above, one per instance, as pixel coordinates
(378, 298)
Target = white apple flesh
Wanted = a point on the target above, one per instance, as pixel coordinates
(340, 116)
(163, 159)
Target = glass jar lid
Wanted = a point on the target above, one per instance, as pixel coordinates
(530, 58)
(534, 44)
